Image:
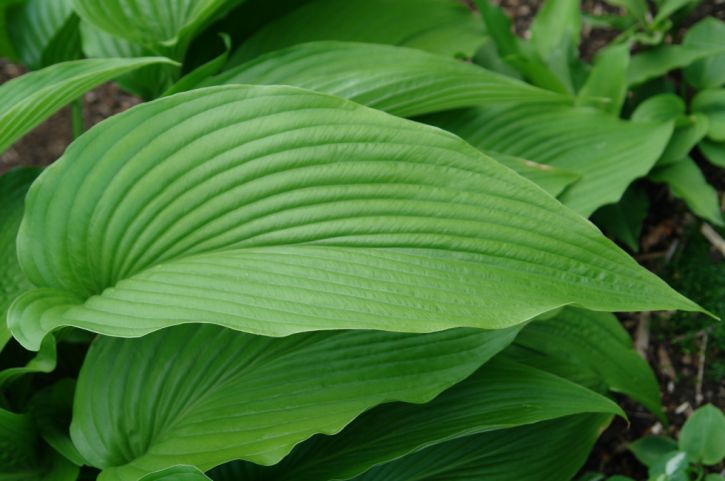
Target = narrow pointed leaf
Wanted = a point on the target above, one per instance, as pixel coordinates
(398, 80)
(710, 71)
(593, 341)
(554, 450)
(606, 86)
(608, 153)
(251, 397)
(685, 180)
(440, 26)
(286, 210)
(31, 98)
(500, 395)
(660, 60)
(551, 179)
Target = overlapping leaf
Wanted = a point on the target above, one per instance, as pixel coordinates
(285, 210)
(554, 450)
(13, 187)
(251, 397)
(398, 80)
(607, 152)
(44, 32)
(592, 349)
(440, 26)
(31, 98)
(500, 395)
(150, 23)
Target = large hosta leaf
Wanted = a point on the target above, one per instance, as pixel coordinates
(31, 98)
(13, 187)
(150, 23)
(398, 80)
(440, 26)
(590, 348)
(285, 210)
(547, 451)
(204, 395)
(500, 395)
(608, 153)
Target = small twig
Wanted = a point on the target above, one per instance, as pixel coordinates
(701, 367)
(641, 337)
(714, 238)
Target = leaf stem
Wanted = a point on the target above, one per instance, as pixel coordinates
(77, 120)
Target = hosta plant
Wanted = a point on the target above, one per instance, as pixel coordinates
(275, 269)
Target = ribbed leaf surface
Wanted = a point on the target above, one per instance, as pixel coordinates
(608, 153)
(582, 345)
(441, 26)
(44, 32)
(205, 395)
(398, 80)
(31, 98)
(149, 22)
(177, 473)
(500, 395)
(546, 451)
(276, 210)
(13, 187)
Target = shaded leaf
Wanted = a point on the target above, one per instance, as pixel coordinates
(710, 71)
(589, 341)
(500, 395)
(44, 32)
(623, 220)
(201, 73)
(251, 397)
(281, 201)
(714, 152)
(689, 131)
(177, 473)
(51, 408)
(608, 153)
(440, 26)
(712, 104)
(660, 60)
(685, 180)
(31, 98)
(703, 435)
(650, 449)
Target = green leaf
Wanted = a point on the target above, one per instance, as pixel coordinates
(606, 86)
(671, 467)
(282, 200)
(44, 32)
(703, 435)
(714, 152)
(398, 80)
(212, 67)
(607, 152)
(13, 187)
(51, 408)
(149, 23)
(589, 341)
(666, 8)
(659, 108)
(623, 220)
(712, 104)
(549, 178)
(146, 82)
(685, 180)
(637, 8)
(177, 473)
(44, 361)
(708, 72)
(714, 477)
(31, 98)
(500, 395)
(441, 26)
(658, 61)
(689, 131)
(251, 397)
(22, 456)
(620, 478)
(555, 34)
(650, 449)
(497, 456)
